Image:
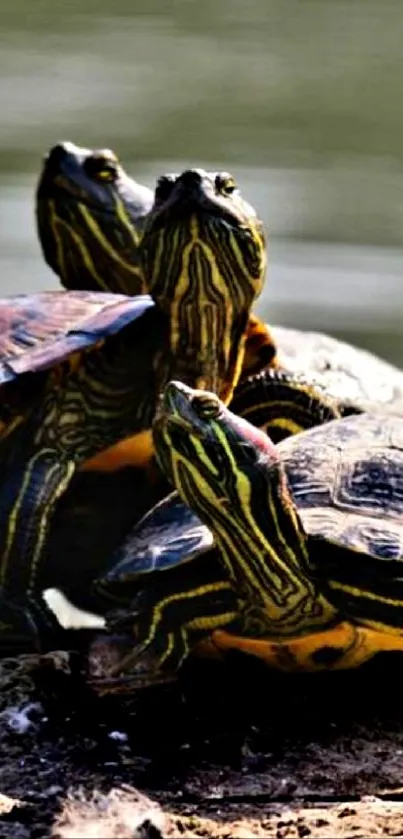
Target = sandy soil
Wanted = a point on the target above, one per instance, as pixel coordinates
(231, 751)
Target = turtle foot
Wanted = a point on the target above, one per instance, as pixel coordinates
(116, 665)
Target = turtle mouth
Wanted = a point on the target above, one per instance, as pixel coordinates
(166, 423)
(182, 205)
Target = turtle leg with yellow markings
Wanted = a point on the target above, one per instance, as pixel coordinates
(173, 614)
(84, 397)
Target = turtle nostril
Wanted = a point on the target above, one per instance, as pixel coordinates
(56, 158)
(165, 185)
(190, 180)
(56, 153)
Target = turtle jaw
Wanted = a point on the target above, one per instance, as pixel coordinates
(90, 216)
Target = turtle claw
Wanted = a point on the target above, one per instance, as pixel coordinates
(116, 666)
(129, 684)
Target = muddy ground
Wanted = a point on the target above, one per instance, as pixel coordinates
(232, 750)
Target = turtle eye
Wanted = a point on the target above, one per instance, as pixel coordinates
(225, 184)
(206, 405)
(102, 166)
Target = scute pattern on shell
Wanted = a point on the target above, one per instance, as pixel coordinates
(347, 372)
(39, 330)
(165, 537)
(346, 479)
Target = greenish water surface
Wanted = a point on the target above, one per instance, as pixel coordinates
(300, 99)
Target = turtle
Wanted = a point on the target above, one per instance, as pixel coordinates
(98, 536)
(99, 360)
(296, 549)
(91, 217)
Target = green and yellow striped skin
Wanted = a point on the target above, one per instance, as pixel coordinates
(171, 614)
(283, 404)
(90, 219)
(203, 252)
(211, 262)
(98, 400)
(86, 402)
(308, 534)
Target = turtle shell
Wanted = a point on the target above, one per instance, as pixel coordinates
(346, 479)
(38, 331)
(168, 535)
(347, 372)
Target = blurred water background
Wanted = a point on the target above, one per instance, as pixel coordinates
(300, 99)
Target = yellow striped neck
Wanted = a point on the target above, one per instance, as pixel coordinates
(207, 305)
(245, 502)
(90, 249)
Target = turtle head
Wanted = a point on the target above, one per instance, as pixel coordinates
(231, 474)
(204, 449)
(90, 218)
(204, 257)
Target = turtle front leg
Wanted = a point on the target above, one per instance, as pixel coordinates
(147, 643)
(260, 348)
(27, 501)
